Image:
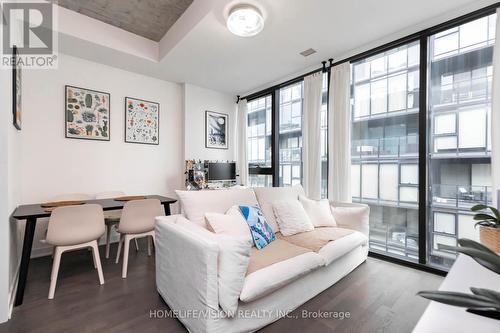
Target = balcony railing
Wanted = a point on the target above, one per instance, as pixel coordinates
(460, 196)
(403, 146)
(290, 155)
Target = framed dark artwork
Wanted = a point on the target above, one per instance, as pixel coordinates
(16, 91)
(142, 121)
(216, 130)
(87, 114)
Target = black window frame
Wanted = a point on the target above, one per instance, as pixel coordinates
(423, 186)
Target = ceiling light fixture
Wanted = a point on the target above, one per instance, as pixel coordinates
(245, 20)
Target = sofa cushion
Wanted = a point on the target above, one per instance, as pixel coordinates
(316, 239)
(336, 249)
(319, 212)
(291, 217)
(266, 196)
(277, 251)
(266, 280)
(234, 254)
(262, 234)
(232, 223)
(196, 203)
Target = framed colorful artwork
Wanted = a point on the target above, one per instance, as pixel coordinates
(16, 90)
(216, 130)
(142, 121)
(87, 114)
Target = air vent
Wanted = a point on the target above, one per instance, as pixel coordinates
(308, 52)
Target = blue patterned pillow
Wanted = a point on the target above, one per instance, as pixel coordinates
(262, 233)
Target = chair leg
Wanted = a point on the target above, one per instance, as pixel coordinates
(126, 244)
(120, 242)
(149, 245)
(108, 239)
(93, 257)
(97, 261)
(55, 271)
(136, 245)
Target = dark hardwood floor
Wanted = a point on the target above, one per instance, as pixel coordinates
(379, 296)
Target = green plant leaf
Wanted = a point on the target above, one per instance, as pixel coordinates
(478, 207)
(486, 259)
(495, 211)
(485, 224)
(484, 217)
(491, 294)
(464, 242)
(476, 302)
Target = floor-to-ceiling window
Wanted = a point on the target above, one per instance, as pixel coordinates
(259, 141)
(459, 95)
(385, 109)
(420, 143)
(290, 134)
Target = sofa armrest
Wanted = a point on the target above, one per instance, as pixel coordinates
(354, 216)
(186, 268)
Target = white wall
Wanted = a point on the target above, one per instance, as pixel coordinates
(197, 100)
(10, 232)
(5, 106)
(53, 165)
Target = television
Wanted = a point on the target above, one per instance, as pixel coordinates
(221, 171)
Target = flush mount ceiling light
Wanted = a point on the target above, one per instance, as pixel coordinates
(245, 20)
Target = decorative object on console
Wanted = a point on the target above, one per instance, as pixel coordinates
(216, 130)
(490, 226)
(16, 90)
(87, 114)
(210, 175)
(482, 302)
(142, 121)
(262, 233)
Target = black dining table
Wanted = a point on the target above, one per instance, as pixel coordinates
(31, 213)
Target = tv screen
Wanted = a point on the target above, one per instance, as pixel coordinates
(221, 171)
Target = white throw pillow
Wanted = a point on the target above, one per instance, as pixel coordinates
(291, 217)
(231, 224)
(319, 212)
(234, 256)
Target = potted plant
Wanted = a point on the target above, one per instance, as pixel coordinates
(483, 302)
(489, 234)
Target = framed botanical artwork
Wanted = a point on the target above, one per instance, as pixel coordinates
(142, 121)
(16, 91)
(87, 114)
(216, 130)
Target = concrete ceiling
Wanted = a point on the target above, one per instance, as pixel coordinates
(147, 18)
(198, 49)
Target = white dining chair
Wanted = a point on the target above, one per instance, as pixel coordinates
(138, 220)
(71, 228)
(66, 197)
(112, 217)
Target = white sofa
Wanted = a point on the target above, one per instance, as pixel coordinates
(187, 262)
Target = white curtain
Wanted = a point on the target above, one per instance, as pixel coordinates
(495, 115)
(339, 134)
(241, 147)
(311, 135)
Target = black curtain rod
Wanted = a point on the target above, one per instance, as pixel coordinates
(323, 68)
(412, 37)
